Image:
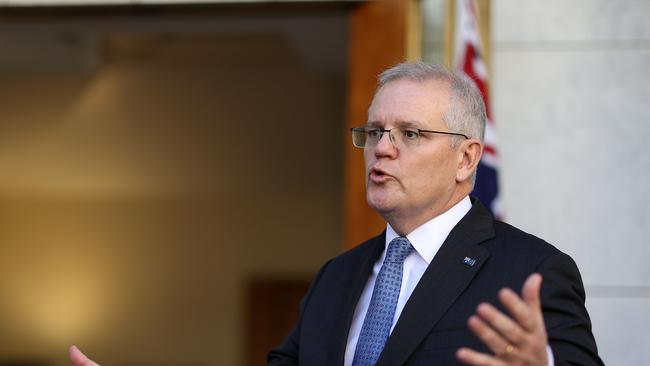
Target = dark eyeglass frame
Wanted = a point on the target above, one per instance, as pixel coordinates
(383, 130)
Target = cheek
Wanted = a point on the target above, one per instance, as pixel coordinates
(367, 159)
(432, 174)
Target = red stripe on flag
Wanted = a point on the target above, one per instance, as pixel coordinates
(468, 69)
(489, 149)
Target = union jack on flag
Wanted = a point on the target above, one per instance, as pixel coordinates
(469, 60)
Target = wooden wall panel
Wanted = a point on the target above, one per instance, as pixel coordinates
(272, 311)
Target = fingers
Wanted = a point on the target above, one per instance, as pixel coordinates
(531, 290)
(471, 357)
(494, 329)
(78, 358)
(527, 311)
(522, 313)
(518, 337)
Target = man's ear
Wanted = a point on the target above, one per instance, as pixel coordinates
(469, 154)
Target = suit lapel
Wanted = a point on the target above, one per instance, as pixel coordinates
(358, 278)
(443, 281)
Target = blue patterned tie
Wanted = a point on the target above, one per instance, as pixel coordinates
(379, 318)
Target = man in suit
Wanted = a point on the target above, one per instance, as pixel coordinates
(435, 287)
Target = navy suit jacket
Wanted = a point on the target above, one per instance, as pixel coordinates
(433, 324)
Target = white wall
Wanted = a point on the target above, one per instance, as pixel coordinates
(571, 94)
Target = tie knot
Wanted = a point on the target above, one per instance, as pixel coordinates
(398, 249)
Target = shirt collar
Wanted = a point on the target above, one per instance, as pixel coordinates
(428, 237)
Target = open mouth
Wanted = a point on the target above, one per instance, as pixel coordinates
(378, 175)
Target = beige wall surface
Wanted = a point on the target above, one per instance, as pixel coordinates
(569, 91)
(571, 107)
(145, 181)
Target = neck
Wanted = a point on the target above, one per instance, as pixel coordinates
(404, 224)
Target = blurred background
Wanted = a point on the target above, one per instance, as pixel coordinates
(172, 174)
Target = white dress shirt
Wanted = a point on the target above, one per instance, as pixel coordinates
(426, 240)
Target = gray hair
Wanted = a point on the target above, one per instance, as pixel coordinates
(466, 113)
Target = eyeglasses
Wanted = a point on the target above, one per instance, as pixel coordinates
(363, 137)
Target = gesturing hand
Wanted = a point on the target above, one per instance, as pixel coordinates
(78, 358)
(516, 340)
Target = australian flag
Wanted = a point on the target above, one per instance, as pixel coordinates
(469, 60)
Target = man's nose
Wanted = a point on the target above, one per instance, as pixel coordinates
(385, 144)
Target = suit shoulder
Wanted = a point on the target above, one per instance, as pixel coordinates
(514, 239)
(349, 262)
(361, 251)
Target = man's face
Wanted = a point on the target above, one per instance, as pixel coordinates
(411, 182)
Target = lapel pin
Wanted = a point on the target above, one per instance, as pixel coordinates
(469, 261)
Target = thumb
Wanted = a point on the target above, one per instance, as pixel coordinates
(531, 289)
(78, 358)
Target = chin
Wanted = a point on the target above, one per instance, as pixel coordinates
(380, 203)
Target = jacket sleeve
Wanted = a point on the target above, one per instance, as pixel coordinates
(567, 322)
(287, 353)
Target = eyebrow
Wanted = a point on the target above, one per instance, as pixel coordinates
(402, 124)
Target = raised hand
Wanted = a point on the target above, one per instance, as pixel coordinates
(518, 339)
(78, 358)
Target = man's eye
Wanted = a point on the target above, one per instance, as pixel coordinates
(411, 134)
(373, 133)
